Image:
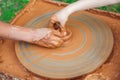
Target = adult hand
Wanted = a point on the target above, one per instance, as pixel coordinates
(62, 16)
(47, 38)
(57, 23)
(43, 36)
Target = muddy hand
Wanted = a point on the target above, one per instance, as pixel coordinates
(57, 26)
(50, 40)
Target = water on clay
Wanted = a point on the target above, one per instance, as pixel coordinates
(11, 66)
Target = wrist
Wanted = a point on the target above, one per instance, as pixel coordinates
(20, 33)
(62, 16)
(39, 34)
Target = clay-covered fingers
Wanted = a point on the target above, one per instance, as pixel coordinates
(57, 26)
(51, 40)
(65, 36)
(68, 35)
(54, 23)
(59, 30)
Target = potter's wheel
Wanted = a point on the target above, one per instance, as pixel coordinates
(88, 49)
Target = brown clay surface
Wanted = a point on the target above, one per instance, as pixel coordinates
(10, 64)
(91, 43)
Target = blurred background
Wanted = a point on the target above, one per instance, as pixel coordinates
(10, 8)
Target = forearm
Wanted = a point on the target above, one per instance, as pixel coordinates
(87, 4)
(21, 33)
(15, 32)
(63, 14)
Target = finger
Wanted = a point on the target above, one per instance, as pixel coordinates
(41, 43)
(68, 35)
(56, 33)
(48, 44)
(58, 43)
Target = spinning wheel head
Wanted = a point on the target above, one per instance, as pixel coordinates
(88, 48)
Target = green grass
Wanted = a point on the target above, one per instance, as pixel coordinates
(112, 8)
(67, 1)
(9, 8)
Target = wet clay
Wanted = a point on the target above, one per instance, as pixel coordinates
(11, 65)
(87, 32)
